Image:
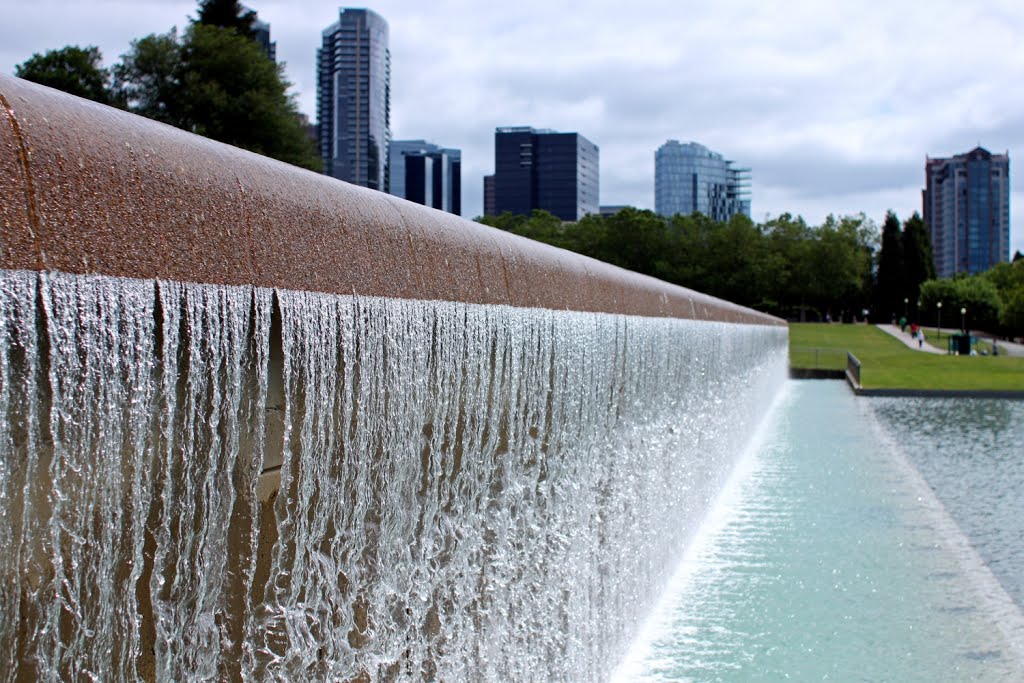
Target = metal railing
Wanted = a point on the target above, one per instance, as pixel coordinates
(817, 358)
(853, 368)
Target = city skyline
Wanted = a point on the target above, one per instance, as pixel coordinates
(835, 108)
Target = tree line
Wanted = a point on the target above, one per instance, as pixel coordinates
(213, 79)
(993, 300)
(906, 286)
(782, 266)
(834, 271)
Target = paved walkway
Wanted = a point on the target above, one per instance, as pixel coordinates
(1011, 349)
(1005, 347)
(905, 337)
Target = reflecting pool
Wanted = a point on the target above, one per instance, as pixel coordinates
(828, 557)
(971, 452)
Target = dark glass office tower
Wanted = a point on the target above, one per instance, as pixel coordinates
(967, 209)
(542, 169)
(261, 34)
(354, 98)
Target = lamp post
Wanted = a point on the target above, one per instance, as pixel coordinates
(917, 313)
(963, 320)
(938, 324)
(905, 301)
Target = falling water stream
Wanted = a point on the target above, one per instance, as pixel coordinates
(225, 483)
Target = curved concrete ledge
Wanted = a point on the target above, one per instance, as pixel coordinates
(941, 393)
(88, 189)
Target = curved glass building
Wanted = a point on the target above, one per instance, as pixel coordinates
(691, 178)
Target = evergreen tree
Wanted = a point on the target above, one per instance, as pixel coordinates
(890, 288)
(229, 14)
(918, 265)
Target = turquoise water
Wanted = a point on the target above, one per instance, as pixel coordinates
(828, 557)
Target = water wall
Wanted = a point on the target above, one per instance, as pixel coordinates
(257, 424)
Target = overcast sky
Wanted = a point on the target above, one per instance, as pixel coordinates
(834, 104)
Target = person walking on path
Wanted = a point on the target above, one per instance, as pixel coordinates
(908, 341)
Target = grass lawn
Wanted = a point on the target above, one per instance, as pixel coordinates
(888, 364)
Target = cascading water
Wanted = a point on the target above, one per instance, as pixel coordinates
(217, 483)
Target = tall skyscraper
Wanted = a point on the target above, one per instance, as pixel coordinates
(690, 177)
(967, 209)
(427, 174)
(542, 169)
(354, 98)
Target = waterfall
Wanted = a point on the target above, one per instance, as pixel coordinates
(202, 482)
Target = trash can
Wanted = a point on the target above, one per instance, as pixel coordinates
(960, 344)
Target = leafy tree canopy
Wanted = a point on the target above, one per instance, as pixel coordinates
(149, 75)
(75, 70)
(975, 293)
(214, 82)
(783, 266)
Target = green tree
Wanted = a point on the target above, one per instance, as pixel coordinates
(918, 265)
(735, 267)
(214, 82)
(75, 70)
(783, 266)
(840, 263)
(975, 293)
(791, 241)
(149, 76)
(539, 225)
(635, 240)
(1006, 276)
(1008, 279)
(1011, 317)
(890, 289)
(689, 240)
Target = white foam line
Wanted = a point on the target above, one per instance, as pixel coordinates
(991, 596)
(722, 509)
